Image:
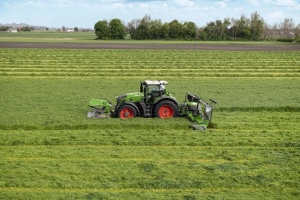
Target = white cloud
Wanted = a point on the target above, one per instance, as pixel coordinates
(185, 3)
(239, 9)
(288, 3)
(36, 4)
(222, 4)
(254, 2)
(275, 15)
(267, 1)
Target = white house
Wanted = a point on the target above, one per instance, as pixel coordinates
(12, 30)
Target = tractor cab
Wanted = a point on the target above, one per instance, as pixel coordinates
(153, 89)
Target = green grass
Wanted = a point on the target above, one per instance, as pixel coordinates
(153, 64)
(49, 149)
(51, 102)
(89, 37)
(169, 164)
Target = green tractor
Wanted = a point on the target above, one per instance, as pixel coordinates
(153, 100)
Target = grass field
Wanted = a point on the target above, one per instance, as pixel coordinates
(50, 150)
(89, 37)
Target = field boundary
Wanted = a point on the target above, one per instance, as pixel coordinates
(217, 46)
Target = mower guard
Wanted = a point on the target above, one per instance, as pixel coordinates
(100, 108)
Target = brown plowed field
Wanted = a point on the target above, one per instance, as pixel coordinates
(226, 47)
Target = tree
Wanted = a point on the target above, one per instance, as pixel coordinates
(143, 29)
(210, 31)
(5, 28)
(219, 32)
(102, 30)
(165, 29)
(175, 30)
(132, 28)
(287, 26)
(76, 29)
(257, 26)
(243, 28)
(155, 29)
(226, 24)
(117, 29)
(202, 35)
(297, 33)
(233, 28)
(27, 28)
(190, 31)
(267, 31)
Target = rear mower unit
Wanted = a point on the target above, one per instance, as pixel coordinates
(153, 100)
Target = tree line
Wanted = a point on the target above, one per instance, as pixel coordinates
(25, 28)
(244, 28)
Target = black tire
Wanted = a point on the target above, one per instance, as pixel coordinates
(126, 111)
(166, 109)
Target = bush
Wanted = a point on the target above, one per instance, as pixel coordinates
(285, 40)
(297, 40)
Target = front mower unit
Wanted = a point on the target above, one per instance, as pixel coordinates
(99, 109)
(153, 100)
(192, 109)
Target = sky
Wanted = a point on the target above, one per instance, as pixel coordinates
(85, 13)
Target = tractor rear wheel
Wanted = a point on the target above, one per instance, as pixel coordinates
(126, 112)
(166, 109)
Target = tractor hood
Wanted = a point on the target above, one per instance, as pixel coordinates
(129, 97)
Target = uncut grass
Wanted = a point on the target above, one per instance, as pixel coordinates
(57, 103)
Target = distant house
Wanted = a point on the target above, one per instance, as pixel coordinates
(70, 30)
(12, 30)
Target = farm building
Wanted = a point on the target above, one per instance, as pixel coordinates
(12, 30)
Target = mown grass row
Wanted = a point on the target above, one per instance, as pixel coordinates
(168, 75)
(134, 63)
(149, 164)
(135, 72)
(62, 61)
(135, 68)
(133, 193)
(101, 138)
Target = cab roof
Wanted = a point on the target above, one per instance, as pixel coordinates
(156, 82)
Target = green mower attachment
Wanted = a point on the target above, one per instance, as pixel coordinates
(100, 108)
(192, 109)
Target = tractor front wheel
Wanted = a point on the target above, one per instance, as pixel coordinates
(166, 109)
(126, 112)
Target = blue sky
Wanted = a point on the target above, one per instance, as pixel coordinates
(85, 13)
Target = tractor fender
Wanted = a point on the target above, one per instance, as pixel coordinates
(166, 98)
(135, 107)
